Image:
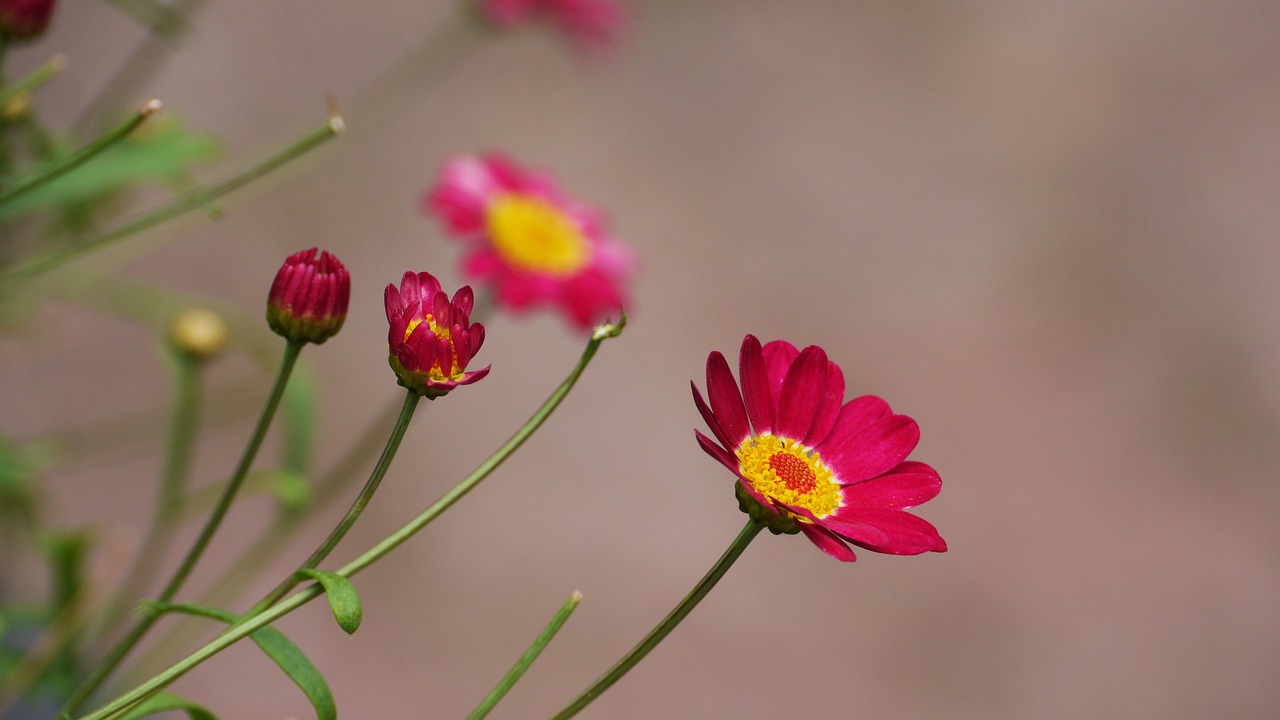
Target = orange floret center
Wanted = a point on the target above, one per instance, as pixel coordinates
(534, 235)
(785, 471)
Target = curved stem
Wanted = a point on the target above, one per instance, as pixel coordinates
(238, 632)
(34, 79)
(175, 583)
(181, 205)
(411, 399)
(655, 636)
(66, 164)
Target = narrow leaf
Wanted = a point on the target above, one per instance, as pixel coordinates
(282, 652)
(343, 599)
(162, 702)
(539, 644)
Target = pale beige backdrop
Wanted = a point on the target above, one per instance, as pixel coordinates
(1046, 230)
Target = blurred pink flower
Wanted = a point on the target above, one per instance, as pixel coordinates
(593, 24)
(431, 337)
(530, 244)
(837, 473)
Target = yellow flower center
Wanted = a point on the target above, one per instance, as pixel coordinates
(436, 372)
(785, 471)
(534, 235)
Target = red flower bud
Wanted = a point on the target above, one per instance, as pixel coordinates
(308, 300)
(24, 19)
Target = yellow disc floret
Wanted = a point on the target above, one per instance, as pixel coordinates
(437, 371)
(536, 236)
(787, 472)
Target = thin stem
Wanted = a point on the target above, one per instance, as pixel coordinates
(232, 635)
(201, 543)
(66, 164)
(183, 431)
(509, 680)
(34, 79)
(655, 636)
(287, 520)
(411, 399)
(181, 205)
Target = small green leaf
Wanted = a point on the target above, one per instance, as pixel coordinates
(343, 598)
(282, 652)
(163, 702)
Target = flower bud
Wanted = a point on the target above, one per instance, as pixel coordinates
(308, 300)
(431, 337)
(198, 333)
(24, 19)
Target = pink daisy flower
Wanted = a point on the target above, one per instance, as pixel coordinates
(431, 337)
(592, 24)
(530, 244)
(837, 473)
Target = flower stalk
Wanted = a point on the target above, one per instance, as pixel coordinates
(122, 704)
(664, 628)
(127, 643)
(522, 665)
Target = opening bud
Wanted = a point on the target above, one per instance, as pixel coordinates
(309, 298)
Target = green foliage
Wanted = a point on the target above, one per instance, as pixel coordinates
(20, 466)
(344, 601)
(282, 652)
(163, 152)
(298, 412)
(164, 702)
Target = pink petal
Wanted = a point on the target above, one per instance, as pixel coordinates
(906, 486)
(755, 385)
(904, 533)
(827, 542)
(474, 375)
(830, 410)
(410, 288)
(778, 356)
(709, 417)
(726, 401)
(391, 300)
(875, 450)
(856, 414)
(802, 393)
(717, 452)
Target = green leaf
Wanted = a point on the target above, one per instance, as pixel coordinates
(282, 652)
(162, 702)
(67, 554)
(156, 154)
(344, 601)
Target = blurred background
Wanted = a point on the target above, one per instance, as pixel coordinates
(1044, 230)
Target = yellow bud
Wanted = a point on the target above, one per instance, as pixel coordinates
(198, 333)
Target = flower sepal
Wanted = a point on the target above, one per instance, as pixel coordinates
(778, 523)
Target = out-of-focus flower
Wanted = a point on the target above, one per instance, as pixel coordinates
(837, 473)
(198, 333)
(309, 297)
(24, 19)
(432, 337)
(593, 24)
(529, 243)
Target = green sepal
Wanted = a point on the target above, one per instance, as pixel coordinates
(778, 523)
(344, 601)
(164, 702)
(279, 648)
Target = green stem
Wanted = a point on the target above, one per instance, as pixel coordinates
(655, 636)
(122, 648)
(411, 399)
(173, 482)
(377, 552)
(194, 200)
(509, 680)
(66, 164)
(34, 79)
